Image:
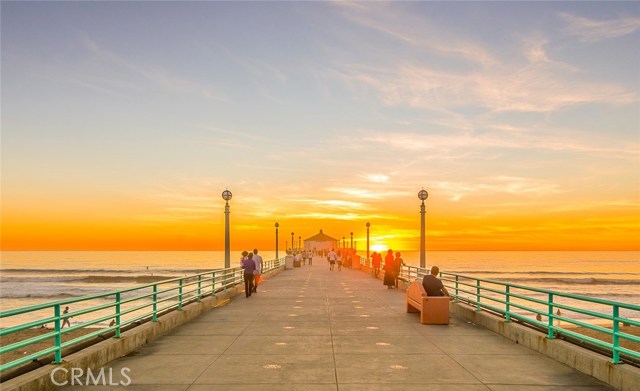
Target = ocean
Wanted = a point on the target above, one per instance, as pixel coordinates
(35, 277)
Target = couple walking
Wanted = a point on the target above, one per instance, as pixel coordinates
(334, 257)
(251, 263)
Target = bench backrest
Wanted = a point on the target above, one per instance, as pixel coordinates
(416, 290)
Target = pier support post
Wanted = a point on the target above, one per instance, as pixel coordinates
(367, 261)
(226, 195)
(277, 225)
(422, 195)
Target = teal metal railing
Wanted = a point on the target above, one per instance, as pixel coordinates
(123, 308)
(551, 311)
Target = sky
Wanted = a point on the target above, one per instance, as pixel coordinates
(123, 122)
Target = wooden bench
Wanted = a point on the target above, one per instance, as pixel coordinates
(433, 309)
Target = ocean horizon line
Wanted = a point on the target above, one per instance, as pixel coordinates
(279, 250)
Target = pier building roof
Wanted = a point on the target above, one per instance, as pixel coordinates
(321, 237)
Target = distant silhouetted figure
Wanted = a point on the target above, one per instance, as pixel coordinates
(389, 270)
(258, 275)
(66, 320)
(376, 260)
(249, 267)
(397, 264)
(432, 285)
(331, 257)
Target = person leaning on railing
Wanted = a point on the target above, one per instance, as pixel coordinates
(433, 285)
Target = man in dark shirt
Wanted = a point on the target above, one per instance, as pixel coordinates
(433, 285)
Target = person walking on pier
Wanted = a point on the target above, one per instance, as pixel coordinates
(389, 270)
(249, 266)
(376, 260)
(66, 321)
(332, 259)
(243, 257)
(258, 275)
(397, 264)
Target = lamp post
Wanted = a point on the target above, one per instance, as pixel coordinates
(368, 225)
(299, 243)
(422, 195)
(352, 240)
(293, 244)
(277, 225)
(344, 245)
(226, 196)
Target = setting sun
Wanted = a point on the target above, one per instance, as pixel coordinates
(379, 247)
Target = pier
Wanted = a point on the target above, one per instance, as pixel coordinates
(311, 329)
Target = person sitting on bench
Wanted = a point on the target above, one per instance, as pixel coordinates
(432, 285)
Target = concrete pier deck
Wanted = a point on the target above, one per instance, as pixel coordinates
(312, 329)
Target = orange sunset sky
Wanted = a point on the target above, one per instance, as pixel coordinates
(123, 122)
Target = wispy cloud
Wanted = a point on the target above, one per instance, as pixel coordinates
(342, 204)
(525, 79)
(376, 178)
(415, 31)
(530, 88)
(154, 74)
(501, 136)
(331, 216)
(592, 30)
(500, 184)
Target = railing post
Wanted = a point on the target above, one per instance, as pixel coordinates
(616, 335)
(57, 338)
(224, 280)
(199, 286)
(155, 303)
(180, 295)
(550, 317)
(478, 296)
(213, 284)
(457, 291)
(117, 335)
(508, 307)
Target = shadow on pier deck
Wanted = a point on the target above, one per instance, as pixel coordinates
(312, 329)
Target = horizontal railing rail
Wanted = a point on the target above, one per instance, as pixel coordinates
(543, 309)
(123, 308)
(546, 311)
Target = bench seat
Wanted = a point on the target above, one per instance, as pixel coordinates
(433, 309)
